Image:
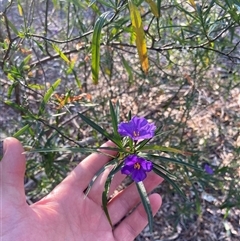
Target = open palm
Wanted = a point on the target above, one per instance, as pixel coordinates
(66, 214)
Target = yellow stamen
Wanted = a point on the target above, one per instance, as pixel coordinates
(137, 166)
(136, 133)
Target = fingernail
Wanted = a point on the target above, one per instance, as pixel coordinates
(1, 150)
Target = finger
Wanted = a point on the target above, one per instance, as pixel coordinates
(82, 175)
(97, 189)
(132, 225)
(126, 200)
(12, 169)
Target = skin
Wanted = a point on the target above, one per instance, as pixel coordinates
(66, 214)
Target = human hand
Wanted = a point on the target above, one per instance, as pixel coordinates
(66, 214)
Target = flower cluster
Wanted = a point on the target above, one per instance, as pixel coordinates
(137, 129)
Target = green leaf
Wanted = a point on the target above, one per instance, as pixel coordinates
(61, 54)
(114, 117)
(100, 130)
(91, 3)
(159, 3)
(25, 61)
(20, 9)
(96, 40)
(153, 7)
(164, 149)
(47, 96)
(21, 131)
(167, 159)
(36, 86)
(128, 69)
(165, 177)
(74, 149)
(165, 171)
(106, 3)
(18, 107)
(146, 203)
(14, 29)
(129, 115)
(110, 163)
(105, 193)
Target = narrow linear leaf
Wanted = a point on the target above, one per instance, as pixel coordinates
(21, 131)
(61, 54)
(174, 160)
(20, 9)
(24, 63)
(171, 182)
(165, 149)
(165, 171)
(12, 26)
(153, 7)
(74, 149)
(48, 95)
(128, 69)
(105, 193)
(100, 130)
(114, 117)
(19, 108)
(146, 203)
(159, 2)
(96, 40)
(137, 28)
(110, 163)
(91, 3)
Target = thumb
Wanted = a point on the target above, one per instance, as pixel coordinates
(12, 169)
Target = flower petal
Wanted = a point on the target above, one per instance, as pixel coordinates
(136, 167)
(127, 170)
(125, 129)
(137, 128)
(131, 160)
(208, 169)
(138, 175)
(147, 166)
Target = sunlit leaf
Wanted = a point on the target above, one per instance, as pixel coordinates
(96, 41)
(192, 2)
(21, 131)
(137, 28)
(36, 86)
(61, 54)
(153, 7)
(20, 9)
(48, 95)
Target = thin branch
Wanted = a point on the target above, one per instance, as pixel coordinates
(58, 131)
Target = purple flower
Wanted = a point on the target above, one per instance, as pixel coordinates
(208, 169)
(137, 128)
(136, 167)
